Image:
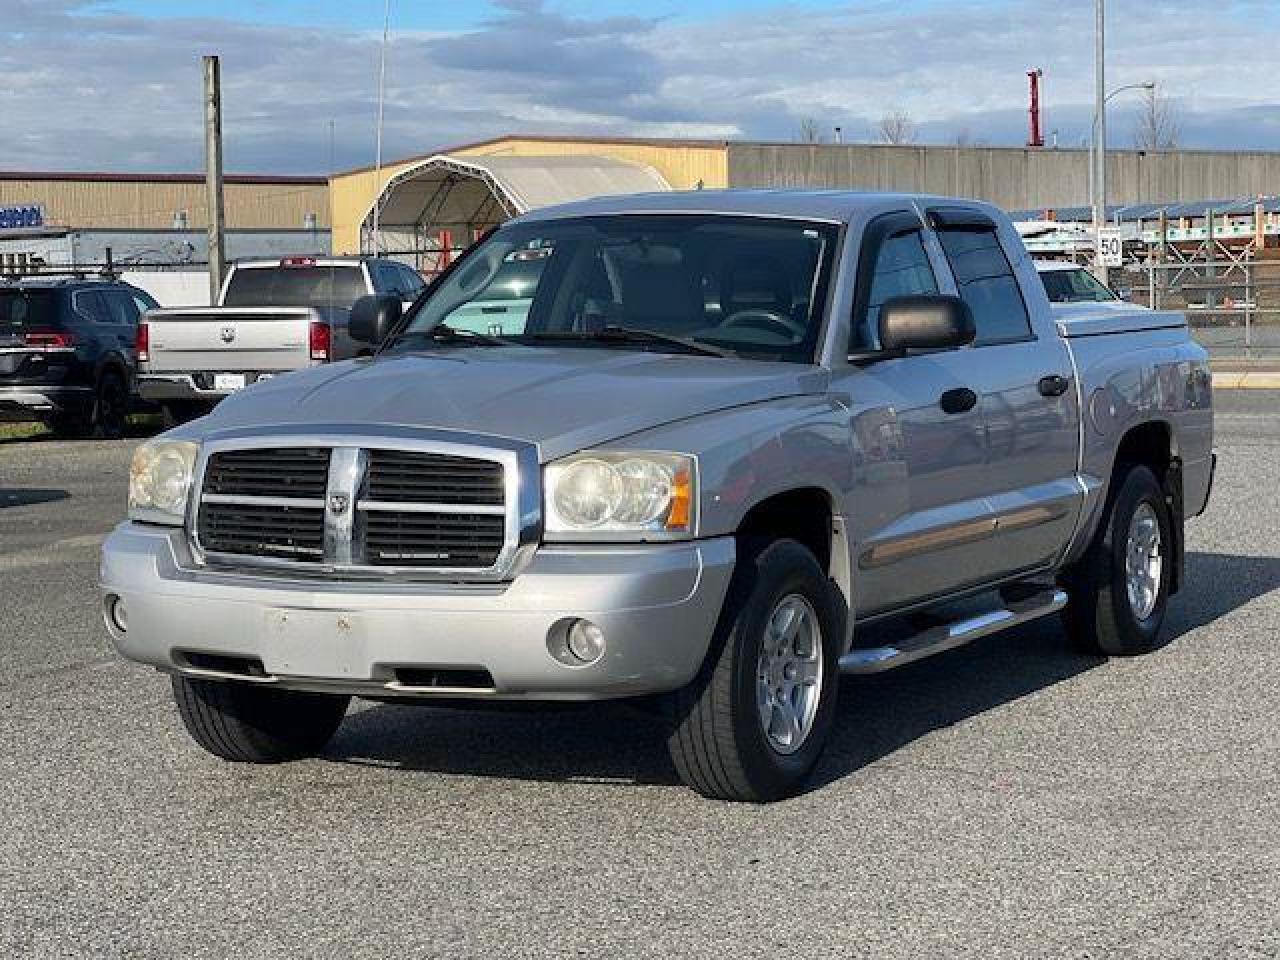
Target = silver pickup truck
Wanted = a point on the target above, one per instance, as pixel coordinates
(273, 316)
(741, 442)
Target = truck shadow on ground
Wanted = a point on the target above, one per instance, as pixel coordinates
(25, 496)
(618, 744)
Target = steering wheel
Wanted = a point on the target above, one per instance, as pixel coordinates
(767, 320)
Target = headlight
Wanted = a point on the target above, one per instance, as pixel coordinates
(160, 481)
(609, 496)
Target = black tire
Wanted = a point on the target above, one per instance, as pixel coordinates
(718, 742)
(110, 407)
(251, 724)
(1100, 617)
(174, 413)
(70, 426)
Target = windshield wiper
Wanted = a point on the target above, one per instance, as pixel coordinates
(443, 333)
(624, 335)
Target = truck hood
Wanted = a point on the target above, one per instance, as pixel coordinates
(562, 399)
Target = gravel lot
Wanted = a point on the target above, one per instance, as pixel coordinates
(1010, 799)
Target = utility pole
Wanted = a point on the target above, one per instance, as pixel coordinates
(213, 172)
(1100, 132)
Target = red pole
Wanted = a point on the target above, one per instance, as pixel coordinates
(1035, 137)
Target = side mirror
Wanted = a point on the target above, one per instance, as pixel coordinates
(373, 317)
(933, 322)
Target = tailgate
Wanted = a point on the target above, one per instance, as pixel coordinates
(229, 338)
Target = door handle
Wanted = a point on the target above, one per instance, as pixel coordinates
(1053, 385)
(958, 400)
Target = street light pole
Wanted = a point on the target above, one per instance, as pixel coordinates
(1099, 157)
(377, 163)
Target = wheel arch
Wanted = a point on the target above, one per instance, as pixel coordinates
(808, 515)
(1153, 444)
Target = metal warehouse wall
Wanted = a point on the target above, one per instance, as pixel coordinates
(1012, 178)
(115, 202)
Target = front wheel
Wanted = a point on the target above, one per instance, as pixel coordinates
(1119, 589)
(753, 723)
(251, 724)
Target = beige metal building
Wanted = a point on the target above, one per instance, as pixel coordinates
(160, 201)
(81, 220)
(1016, 178)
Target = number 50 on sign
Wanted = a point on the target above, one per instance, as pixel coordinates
(1111, 246)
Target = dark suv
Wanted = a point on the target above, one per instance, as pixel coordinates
(67, 352)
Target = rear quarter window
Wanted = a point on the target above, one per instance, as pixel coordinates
(22, 310)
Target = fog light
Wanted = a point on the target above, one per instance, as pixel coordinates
(118, 613)
(586, 641)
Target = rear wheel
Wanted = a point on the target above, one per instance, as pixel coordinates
(252, 724)
(753, 723)
(105, 419)
(1119, 589)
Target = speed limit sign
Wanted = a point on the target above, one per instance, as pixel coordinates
(1111, 246)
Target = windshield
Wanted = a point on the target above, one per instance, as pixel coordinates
(1074, 286)
(295, 287)
(752, 286)
(23, 310)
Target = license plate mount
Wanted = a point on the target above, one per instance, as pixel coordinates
(314, 643)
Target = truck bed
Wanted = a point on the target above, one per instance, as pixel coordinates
(1095, 319)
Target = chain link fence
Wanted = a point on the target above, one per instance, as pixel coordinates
(1232, 304)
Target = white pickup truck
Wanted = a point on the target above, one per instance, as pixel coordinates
(273, 316)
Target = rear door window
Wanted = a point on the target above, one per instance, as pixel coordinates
(90, 305)
(987, 284)
(410, 281)
(304, 286)
(121, 308)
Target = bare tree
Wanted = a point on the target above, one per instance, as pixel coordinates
(896, 126)
(810, 132)
(1159, 125)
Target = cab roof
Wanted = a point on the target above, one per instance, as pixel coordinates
(831, 206)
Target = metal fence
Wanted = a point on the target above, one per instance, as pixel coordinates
(1232, 302)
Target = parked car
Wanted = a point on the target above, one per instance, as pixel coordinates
(743, 442)
(67, 352)
(1072, 283)
(273, 316)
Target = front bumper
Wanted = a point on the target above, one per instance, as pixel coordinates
(39, 401)
(656, 603)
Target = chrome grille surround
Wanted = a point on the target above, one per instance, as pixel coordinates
(343, 557)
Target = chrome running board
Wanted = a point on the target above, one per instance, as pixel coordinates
(948, 636)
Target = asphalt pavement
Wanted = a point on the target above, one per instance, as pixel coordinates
(1010, 799)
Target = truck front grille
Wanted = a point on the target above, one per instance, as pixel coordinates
(407, 476)
(356, 509)
(279, 472)
(291, 533)
(400, 539)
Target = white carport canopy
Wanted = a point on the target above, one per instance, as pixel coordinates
(465, 195)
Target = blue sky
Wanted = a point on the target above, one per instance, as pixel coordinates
(115, 84)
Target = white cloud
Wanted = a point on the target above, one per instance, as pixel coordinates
(110, 91)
